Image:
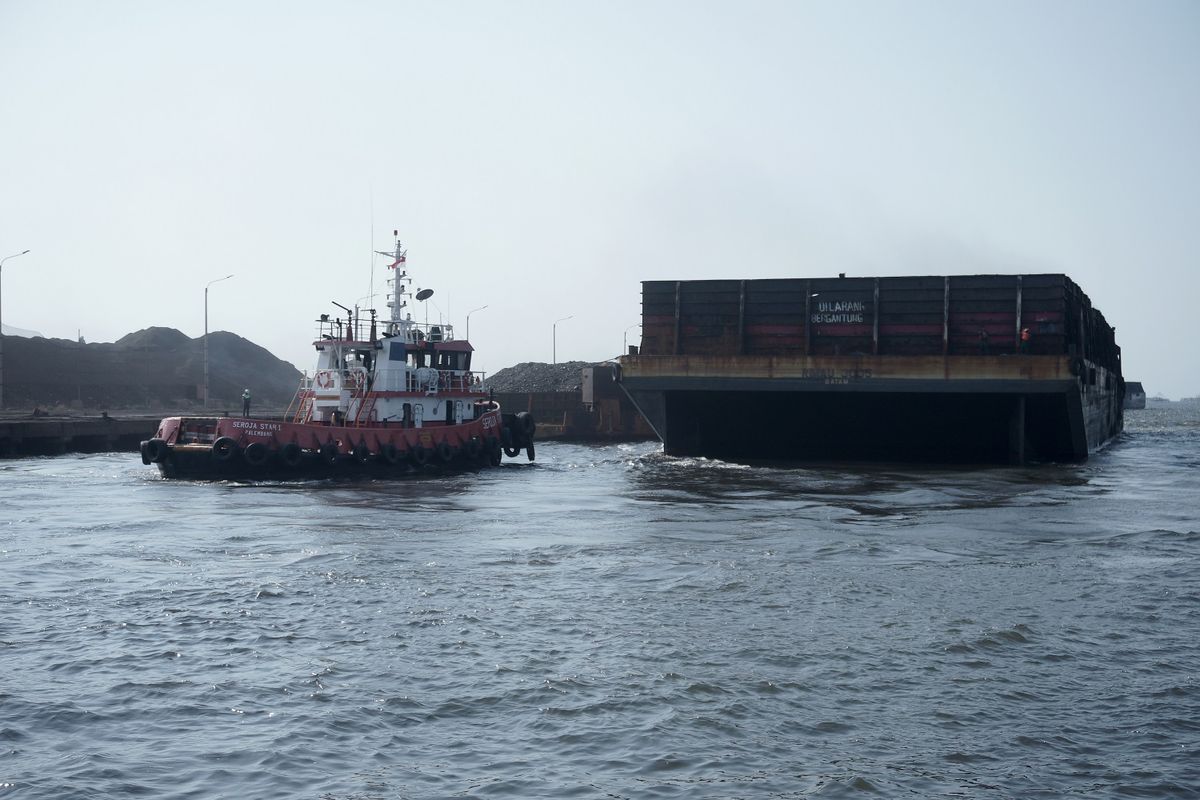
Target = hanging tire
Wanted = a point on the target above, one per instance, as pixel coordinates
(361, 453)
(526, 424)
(224, 449)
(445, 452)
(290, 454)
(512, 452)
(389, 455)
(419, 456)
(154, 451)
(256, 454)
(329, 453)
(529, 451)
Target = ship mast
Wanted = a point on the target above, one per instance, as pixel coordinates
(397, 299)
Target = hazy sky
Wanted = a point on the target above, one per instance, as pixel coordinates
(543, 158)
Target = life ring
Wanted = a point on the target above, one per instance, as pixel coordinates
(361, 453)
(256, 454)
(156, 451)
(290, 454)
(389, 454)
(474, 447)
(419, 455)
(224, 449)
(323, 379)
(445, 452)
(329, 453)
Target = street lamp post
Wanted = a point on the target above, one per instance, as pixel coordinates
(625, 338)
(2, 260)
(210, 283)
(469, 313)
(554, 338)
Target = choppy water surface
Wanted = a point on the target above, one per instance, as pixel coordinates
(609, 623)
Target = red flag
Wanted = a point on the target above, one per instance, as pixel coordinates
(397, 262)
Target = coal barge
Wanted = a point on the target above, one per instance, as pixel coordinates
(976, 368)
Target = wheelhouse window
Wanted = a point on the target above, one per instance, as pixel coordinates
(449, 359)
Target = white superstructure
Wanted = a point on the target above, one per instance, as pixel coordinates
(409, 374)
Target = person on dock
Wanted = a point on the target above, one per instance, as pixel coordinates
(245, 402)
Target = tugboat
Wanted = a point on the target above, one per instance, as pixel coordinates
(390, 398)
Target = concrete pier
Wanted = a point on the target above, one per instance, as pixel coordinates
(559, 415)
(29, 436)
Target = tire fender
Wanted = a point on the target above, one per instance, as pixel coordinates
(154, 451)
(224, 449)
(256, 454)
(526, 424)
(290, 454)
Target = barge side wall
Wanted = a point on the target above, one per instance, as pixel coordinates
(964, 368)
(931, 315)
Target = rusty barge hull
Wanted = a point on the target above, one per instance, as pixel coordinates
(894, 369)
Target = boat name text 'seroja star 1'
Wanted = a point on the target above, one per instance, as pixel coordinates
(393, 403)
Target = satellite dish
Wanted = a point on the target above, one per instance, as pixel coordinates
(425, 294)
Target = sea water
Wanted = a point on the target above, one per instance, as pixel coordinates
(608, 622)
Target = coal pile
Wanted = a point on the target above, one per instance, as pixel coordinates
(535, 376)
(155, 368)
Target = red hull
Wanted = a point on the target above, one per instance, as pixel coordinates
(224, 447)
(309, 436)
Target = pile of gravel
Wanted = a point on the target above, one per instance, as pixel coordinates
(534, 376)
